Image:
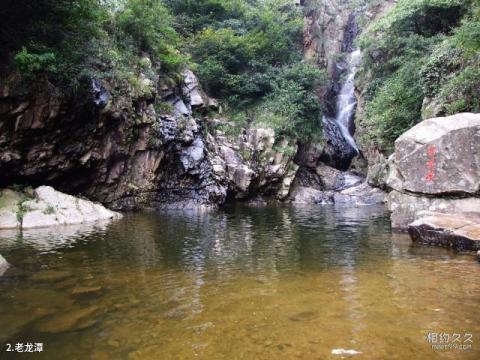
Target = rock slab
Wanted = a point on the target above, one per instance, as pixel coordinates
(460, 231)
(48, 207)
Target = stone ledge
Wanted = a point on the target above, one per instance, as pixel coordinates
(459, 231)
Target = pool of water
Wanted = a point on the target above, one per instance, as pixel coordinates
(240, 283)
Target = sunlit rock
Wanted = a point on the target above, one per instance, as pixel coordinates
(406, 208)
(48, 207)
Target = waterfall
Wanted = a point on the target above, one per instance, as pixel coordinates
(346, 101)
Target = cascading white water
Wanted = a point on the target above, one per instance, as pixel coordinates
(346, 101)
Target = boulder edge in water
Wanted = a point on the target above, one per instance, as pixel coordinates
(46, 207)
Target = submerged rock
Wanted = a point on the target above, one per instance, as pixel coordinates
(48, 207)
(460, 231)
(86, 290)
(51, 275)
(304, 316)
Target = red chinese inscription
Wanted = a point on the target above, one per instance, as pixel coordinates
(431, 151)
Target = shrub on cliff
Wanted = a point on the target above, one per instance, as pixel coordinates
(148, 24)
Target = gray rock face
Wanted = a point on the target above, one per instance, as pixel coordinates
(436, 167)
(123, 147)
(254, 167)
(378, 171)
(439, 156)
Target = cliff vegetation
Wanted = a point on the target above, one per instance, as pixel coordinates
(421, 60)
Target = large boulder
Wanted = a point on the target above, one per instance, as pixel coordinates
(336, 180)
(439, 156)
(436, 167)
(460, 231)
(48, 207)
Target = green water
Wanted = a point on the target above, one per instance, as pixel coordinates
(241, 283)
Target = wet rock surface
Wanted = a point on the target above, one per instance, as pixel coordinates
(360, 195)
(305, 195)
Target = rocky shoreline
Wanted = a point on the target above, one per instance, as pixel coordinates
(44, 207)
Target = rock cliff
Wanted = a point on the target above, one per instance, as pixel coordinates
(134, 147)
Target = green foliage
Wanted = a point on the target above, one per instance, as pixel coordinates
(32, 65)
(149, 24)
(468, 35)
(237, 56)
(421, 49)
(462, 92)
(395, 107)
(422, 17)
(49, 210)
(247, 53)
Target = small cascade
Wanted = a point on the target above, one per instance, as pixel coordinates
(346, 102)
